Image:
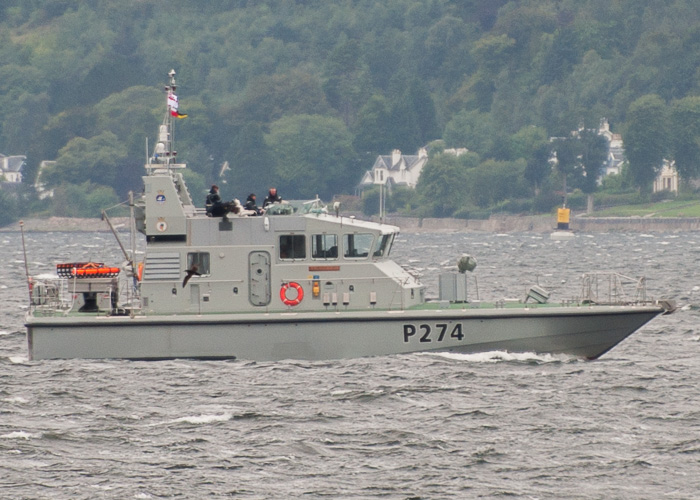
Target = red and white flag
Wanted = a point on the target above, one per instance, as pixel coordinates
(172, 101)
(173, 104)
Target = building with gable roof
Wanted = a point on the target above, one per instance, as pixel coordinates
(396, 170)
(616, 150)
(666, 180)
(11, 169)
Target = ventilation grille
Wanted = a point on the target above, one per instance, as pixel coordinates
(162, 266)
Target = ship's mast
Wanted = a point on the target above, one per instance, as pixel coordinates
(164, 152)
(172, 107)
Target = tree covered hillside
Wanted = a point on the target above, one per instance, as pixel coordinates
(304, 94)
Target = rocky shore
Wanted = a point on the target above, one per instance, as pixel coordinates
(495, 224)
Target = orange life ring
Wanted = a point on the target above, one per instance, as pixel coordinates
(283, 293)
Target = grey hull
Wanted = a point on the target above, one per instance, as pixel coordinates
(586, 332)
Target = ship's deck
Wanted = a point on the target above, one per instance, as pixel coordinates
(509, 304)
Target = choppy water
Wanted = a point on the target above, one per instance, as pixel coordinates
(418, 426)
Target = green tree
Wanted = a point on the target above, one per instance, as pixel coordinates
(346, 79)
(370, 201)
(64, 126)
(444, 43)
(252, 163)
(269, 97)
(405, 131)
(484, 13)
(526, 140)
(133, 111)
(685, 136)
(402, 199)
(444, 182)
(496, 181)
(16, 79)
(97, 160)
(82, 200)
(418, 95)
(470, 129)
(22, 121)
(313, 155)
(594, 152)
(383, 51)
(492, 52)
(538, 167)
(525, 23)
(563, 53)
(646, 139)
(370, 129)
(567, 151)
(8, 208)
(132, 116)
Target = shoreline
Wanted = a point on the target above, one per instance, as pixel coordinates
(494, 224)
(545, 224)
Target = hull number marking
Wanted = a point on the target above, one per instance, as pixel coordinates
(432, 333)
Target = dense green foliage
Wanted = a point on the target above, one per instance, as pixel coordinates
(8, 209)
(305, 93)
(646, 139)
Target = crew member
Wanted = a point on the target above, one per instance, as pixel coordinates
(215, 207)
(250, 204)
(272, 197)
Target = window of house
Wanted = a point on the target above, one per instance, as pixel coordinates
(357, 246)
(324, 246)
(199, 259)
(292, 246)
(384, 246)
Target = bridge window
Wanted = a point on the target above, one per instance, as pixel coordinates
(384, 246)
(292, 246)
(324, 246)
(357, 246)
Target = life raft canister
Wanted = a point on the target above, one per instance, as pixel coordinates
(86, 270)
(295, 301)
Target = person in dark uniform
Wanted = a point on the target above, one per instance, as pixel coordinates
(272, 197)
(216, 207)
(250, 204)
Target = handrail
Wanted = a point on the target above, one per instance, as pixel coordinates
(614, 283)
(343, 280)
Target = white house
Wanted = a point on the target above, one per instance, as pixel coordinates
(396, 169)
(667, 180)
(616, 151)
(11, 168)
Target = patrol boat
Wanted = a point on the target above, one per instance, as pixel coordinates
(297, 282)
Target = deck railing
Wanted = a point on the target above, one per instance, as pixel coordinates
(609, 288)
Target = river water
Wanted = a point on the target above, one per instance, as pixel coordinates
(420, 426)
